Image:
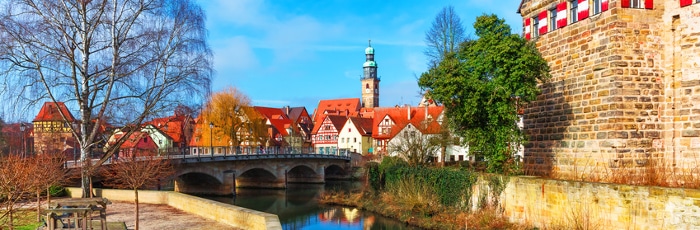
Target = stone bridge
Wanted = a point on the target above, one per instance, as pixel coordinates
(220, 175)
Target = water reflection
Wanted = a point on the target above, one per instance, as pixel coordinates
(298, 208)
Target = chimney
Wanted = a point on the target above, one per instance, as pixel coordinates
(408, 109)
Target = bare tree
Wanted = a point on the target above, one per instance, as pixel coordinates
(444, 36)
(141, 170)
(16, 180)
(415, 147)
(127, 60)
(48, 171)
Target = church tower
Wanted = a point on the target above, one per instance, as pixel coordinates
(370, 81)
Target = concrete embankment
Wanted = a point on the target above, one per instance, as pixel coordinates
(235, 216)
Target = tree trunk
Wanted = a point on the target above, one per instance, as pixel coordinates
(136, 209)
(48, 197)
(10, 210)
(38, 205)
(85, 181)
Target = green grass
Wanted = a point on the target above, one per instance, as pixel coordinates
(24, 219)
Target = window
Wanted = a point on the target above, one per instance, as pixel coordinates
(552, 19)
(354, 140)
(535, 26)
(643, 4)
(597, 6)
(635, 3)
(573, 12)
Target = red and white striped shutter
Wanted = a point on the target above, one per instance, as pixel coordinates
(561, 14)
(686, 2)
(543, 22)
(527, 29)
(582, 9)
(625, 4)
(649, 4)
(604, 5)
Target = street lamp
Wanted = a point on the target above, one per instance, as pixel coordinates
(21, 129)
(211, 137)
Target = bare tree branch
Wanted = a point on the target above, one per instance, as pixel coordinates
(117, 61)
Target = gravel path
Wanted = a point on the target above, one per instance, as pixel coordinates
(156, 216)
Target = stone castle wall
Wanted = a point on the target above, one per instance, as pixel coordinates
(622, 93)
(582, 205)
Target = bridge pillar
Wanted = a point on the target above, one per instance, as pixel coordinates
(229, 182)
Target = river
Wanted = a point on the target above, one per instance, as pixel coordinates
(298, 208)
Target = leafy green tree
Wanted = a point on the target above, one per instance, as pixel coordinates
(479, 85)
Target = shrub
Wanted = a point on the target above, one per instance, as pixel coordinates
(56, 191)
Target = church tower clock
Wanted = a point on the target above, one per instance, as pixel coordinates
(370, 81)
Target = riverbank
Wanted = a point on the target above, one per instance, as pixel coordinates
(419, 213)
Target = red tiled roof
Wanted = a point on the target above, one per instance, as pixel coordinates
(50, 112)
(173, 126)
(348, 107)
(338, 121)
(362, 125)
(280, 125)
(400, 117)
(138, 139)
(270, 113)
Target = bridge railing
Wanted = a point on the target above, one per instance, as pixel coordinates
(245, 153)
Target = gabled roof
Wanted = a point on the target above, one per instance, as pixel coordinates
(50, 112)
(400, 116)
(336, 121)
(172, 126)
(293, 113)
(135, 141)
(281, 125)
(347, 107)
(362, 125)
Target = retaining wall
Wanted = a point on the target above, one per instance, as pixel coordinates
(235, 216)
(573, 204)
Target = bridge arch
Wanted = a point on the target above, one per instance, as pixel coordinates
(304, 173)
(334, 171)
(200, 170)
(198, 181)
(259, 177)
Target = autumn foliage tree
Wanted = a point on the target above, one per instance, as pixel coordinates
(232, 116)
(17, 181)
(48, 171)
(141, 170)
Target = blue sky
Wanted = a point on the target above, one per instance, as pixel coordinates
(299, 52)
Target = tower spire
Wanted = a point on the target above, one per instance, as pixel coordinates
(370, 81)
